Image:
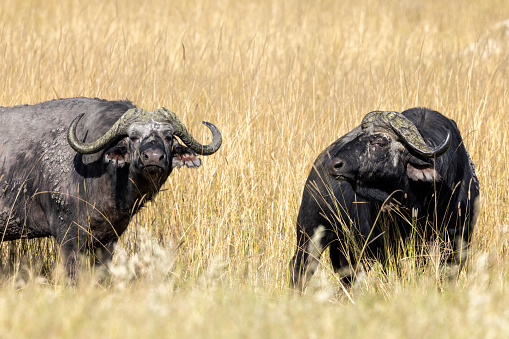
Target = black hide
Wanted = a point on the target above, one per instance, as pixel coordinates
(383, 190)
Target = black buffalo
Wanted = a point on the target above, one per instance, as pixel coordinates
(83, 184)
(395, 175)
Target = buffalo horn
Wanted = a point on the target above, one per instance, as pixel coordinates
(181, 131)
(119, 129)
(406, 130)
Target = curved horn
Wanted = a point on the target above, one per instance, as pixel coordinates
(406, 130)
(119, 129)
(186, 137)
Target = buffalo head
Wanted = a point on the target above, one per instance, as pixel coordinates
(146, 141)
(389, 151)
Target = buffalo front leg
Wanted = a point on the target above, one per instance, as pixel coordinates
(344, 268)
(71, 250)
(306, 258)
(104, 253)
(73, 241)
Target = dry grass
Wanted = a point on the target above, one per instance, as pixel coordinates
(282, 80)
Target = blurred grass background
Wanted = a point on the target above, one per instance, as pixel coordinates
(282, 80)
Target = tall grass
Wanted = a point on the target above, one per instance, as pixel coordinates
(281, 80)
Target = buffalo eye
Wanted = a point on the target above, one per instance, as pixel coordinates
(167, 135)
(380, 142)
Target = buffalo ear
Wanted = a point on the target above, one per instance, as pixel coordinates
(419, 170)
(182, 155)
(118, 155)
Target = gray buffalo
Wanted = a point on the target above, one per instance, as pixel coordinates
(83, 184)
(396, 175)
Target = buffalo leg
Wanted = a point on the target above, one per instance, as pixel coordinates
(70, 251)
(73, 243)
(305, 260)
(461, 236)
(104, 252)
(342, 267)
(455, 262)
(462, 241)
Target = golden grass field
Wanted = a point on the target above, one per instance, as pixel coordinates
(282, 80)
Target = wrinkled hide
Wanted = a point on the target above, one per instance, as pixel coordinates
(85, 201)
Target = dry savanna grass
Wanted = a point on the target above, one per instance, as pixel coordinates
(282, 80)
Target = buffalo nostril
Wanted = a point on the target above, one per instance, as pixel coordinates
(152, 156)
(335, 166)
(338, 164)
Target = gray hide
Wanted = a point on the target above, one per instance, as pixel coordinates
(47, 189)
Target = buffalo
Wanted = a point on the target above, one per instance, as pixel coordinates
(83, 184)
(394, 176)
